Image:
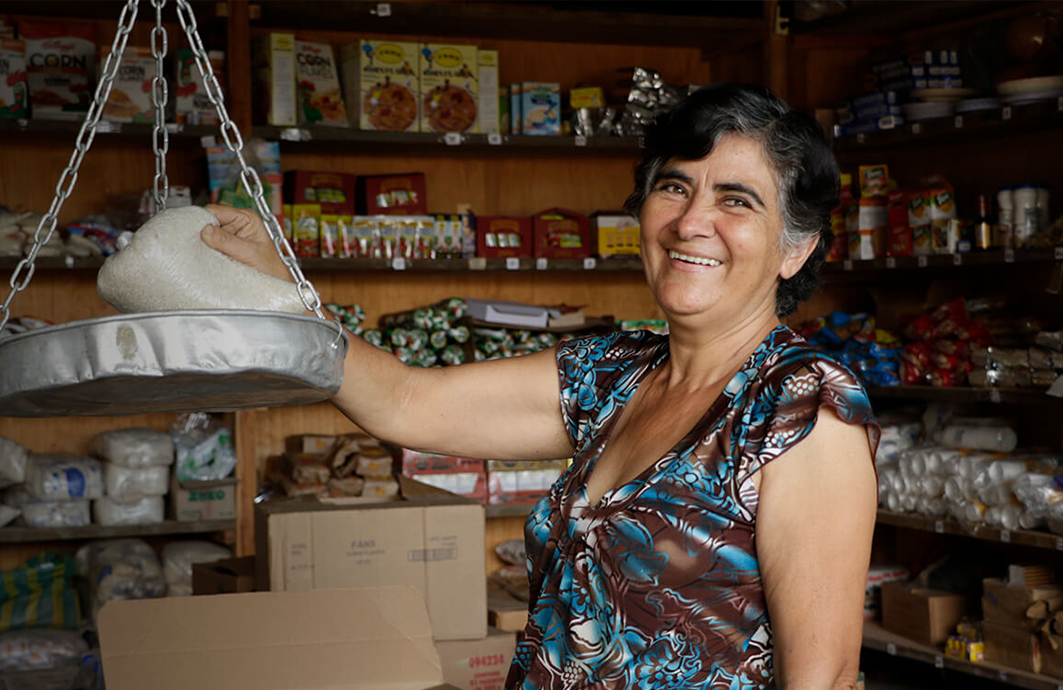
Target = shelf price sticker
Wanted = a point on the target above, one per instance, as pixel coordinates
(1059, 547)
(478, 263)
(1006, 113)
(861, 138)
(398, 263)
(891, 649)
(994, 396)
(208, 142)
(106, 126)
(174, 127)
(590, 263)
(939, 526)
(512, 263)
(68, 261)
(847, 265)
(580, 140)
(1058, 254)
(917, 128)
(959, 122)
(939, 661)
(1009, 256)
(1059, 107)
(494, 139)
(452, 139)
(921, 262)
(957, 259)
(295, 134)
(891, 262)
(383, 9)
(542, 263)
(1005, 536)
(1002, 676)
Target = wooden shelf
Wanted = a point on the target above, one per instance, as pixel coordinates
(936, 264)
(879, 639)
(884, 18)
(69, 129)
(1036, 539)
(9, 535)
(510, 510)
(1008, 396)
(475, 265)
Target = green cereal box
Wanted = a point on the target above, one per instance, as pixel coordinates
(382, 84)
(449, 87)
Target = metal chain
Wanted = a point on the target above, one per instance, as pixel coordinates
(20, 279)
(230, 133)
(160, 137)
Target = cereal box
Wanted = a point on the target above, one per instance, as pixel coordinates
(14, 96)
(382, 84)
(449, 88)
(130, 99)
(540, 108)
(192, 106)
(488, 81)
(275, 79)
(318, 84)
(60, 67)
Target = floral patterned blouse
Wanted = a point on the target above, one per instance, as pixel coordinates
(658, 586)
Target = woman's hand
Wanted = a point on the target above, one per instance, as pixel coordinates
(243, 237)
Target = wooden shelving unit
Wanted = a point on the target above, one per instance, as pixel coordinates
(13, 535)
(1034, 538)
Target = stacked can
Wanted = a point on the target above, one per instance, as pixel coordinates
(351, 317)
(425, 337)
(496, 343)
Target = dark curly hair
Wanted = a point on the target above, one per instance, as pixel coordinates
(794, 143)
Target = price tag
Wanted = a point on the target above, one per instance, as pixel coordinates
(590, 263)
(917, 128)
(939, 661)
(959, 122)
(398, 263)
(542, 263)
(860, 138)
(478, 263)
(208, 142)
(939, 526)
(921, 261)
(994, 396)
(1059, 107)
(847, 265)
(891, 262)
(1059, 544)
(68, 261)
(957, 259)
(106, 126)
(383, 9)
(1002, 676)
(1006, 112)
(1005, 536)
(174, 127)
(452, 139)
(23, 123)
(891, 649)
(1059, 253)
(494, 139)
(295, 134)
(512, 263)
(1009, 256)
(580, 140)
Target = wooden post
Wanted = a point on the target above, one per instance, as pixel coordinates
(247, 481)
(775, 49)
(238, 57)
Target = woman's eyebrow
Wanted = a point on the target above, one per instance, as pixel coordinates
(741, 189)
(673, 174)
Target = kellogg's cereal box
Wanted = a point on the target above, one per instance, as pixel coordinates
(60, 68)
(382, 83)
(130, 99)
(320, 101)
(193, 106)
(449, 88)
(14, 96)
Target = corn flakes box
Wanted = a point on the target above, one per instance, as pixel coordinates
(60, 67)
(319, 99)
(449, 87)
(382, 84)
(14, 94)
(130, 99)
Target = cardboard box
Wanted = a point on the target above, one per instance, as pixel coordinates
(195, 501)
(392, 195)
(468, 484)
(561, 234)
(498, 237)
(618, 234)
(14, 94)
(506, 612)
(60, 67)
(488, 120)
(192, 105)
(513, 481)
(317, 83)
(130, 99)
(382, 83)
(367, 638)
(429, 539)
(275, 79)
(1010, 646)
(310, 444)
(416, 462)
(227, 576)
(449, 87)
(478, 664)
(924, 615)
(1008, 605)
(540, 108)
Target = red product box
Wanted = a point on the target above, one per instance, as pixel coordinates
(392, 195)
(416, 462)
(498, 237)
(561, 234)
(500, 494)
(899, 238)
(468, 484)
(334, 192)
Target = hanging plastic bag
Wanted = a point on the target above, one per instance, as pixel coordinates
(134, 448)
(13, 460)
(204, 448)
(40, 594)
(63, 477)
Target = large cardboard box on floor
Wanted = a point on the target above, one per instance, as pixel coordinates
(920, 614)
(372, 638)
(478, 664)
(429, 539)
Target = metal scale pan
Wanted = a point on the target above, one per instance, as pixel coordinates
(170, 362)
(173, 361)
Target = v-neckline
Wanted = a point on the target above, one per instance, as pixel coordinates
(657, 357)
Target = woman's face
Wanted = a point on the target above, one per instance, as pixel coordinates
(710, 235)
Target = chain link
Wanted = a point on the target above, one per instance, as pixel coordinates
(23, 273)
(234, 142)
(160, 139)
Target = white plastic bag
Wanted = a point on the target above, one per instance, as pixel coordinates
(63, 476)
(7, 514)
(120, 569)
(204, 448)
(167, 267)
(13, 460)
(32, 649)
(134, 448)
(178, 557)
(126, 484)
(113, 512)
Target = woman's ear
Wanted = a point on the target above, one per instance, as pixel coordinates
(796, 258)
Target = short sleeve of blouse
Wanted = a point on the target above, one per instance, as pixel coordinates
(789, 402)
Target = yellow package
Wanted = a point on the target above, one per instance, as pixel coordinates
(874, 181)
(449, 87)
(306, 229)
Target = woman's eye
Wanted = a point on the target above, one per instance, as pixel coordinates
(734, 201)
(670, 187)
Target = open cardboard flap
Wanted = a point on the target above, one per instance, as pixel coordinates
(337, 639)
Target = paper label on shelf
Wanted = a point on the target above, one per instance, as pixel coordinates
(860, 138)
(847, 265)
(1059, 544)
(1059, 254)
(383, 9)
(590, 263)
(994, 396)
(939, 661)
(512, 264)
(891, 649)
(542, 263)
(398, 263)
(1009, 256)
(174, 127)
(917, 128)
(1005, 536)
(494, 139)
(939, 526)
(921, 261)
(478, 263)
(891, 262)
(959, 122)
(22, 123)
(580, 140)
(296, 134)
(208, 142)
(452, 139)
(68, 261)
(106, 126)
(957, 259)
(1002, 676)
(1006, 112)
(1059, 106)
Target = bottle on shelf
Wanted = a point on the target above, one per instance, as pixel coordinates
(982, 228)
(1005, 218)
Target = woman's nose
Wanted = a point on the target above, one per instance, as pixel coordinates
(697, 220)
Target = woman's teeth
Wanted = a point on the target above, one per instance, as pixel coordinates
(672, 254)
